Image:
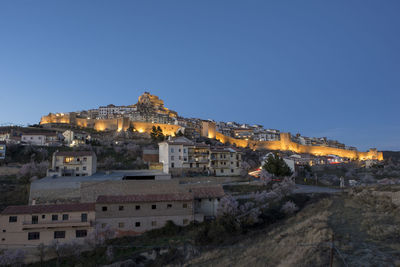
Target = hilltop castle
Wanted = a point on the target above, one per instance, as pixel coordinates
(149, 111)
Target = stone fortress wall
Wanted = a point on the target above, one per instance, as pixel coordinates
(117, 124)
(209, 130)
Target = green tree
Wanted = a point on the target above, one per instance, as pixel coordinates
(157, 134)
(276, 166)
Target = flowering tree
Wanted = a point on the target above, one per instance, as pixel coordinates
(14, 257)
(289, 207)
(265, 177)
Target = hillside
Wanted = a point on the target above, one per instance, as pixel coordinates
(365, 228)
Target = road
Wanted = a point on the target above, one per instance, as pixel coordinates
(301, 189)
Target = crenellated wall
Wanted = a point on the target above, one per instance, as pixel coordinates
(285, 144)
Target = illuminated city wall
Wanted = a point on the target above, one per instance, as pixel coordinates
(285, 144)
(145, 127)
(118, 124)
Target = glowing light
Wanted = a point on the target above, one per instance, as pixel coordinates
(140, 130)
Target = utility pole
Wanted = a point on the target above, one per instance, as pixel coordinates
(331, 257)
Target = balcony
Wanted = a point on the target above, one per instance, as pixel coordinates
(55, 224)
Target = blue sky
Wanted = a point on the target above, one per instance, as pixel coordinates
(315, 67)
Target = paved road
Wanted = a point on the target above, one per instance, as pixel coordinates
(301, 189)
(314, 189)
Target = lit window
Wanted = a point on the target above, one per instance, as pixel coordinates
(68, 159)
(121, 225)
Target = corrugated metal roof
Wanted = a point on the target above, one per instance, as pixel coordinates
(145, 198)
(58, 208)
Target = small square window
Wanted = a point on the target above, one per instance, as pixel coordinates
(104, 208)
(103, 225)
(65, 217)
(43, 216)
(153, 207)
(137, 207)
(137, 224)
(54, 217)
(12, 219)
(121, 225)
(185, 205)
(84, 217)
(121, 208)
(154, 223)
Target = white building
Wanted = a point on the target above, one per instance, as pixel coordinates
(74, 138)
(73, 163)
(2, 150)
(40, 139)
(110, 110)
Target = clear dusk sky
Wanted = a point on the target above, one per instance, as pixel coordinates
(321, 68)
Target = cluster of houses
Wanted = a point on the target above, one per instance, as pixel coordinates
(75, 200)
(45, 137)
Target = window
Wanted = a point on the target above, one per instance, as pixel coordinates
(121, 208)
(84, 168)
(4, 231)
(83, 217)
(153, 207)
(137, 207)
(172, 157)
(121, 225)
(68, 159)
(12, 219)
(184, 150)
(154, 223)
(103, 225)
(104, 208)
(43, 216)
(172, 165)
(172, 150)
(84, 159)
(185, 205)
(33, 236)
(185, 221)
(77, 168)
(137, 224)
(231, 170)
(59, 234)
(169, 206)
(222, 170)
(80, 233)
(54, 217)
(179, 150)
(35, 219)
(65, 217)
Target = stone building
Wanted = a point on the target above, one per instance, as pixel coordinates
(73, 163)
(41, 224)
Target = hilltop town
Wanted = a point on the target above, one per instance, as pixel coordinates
(116, 178)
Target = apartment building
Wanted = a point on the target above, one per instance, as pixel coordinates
(135, 214)
(225, 161)
(41, 224)
(182, 154)
(2, 150)
(73, 163)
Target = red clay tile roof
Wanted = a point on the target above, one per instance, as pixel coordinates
(208, 192)
(74, 153)
(58, 208)
(145, 198)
